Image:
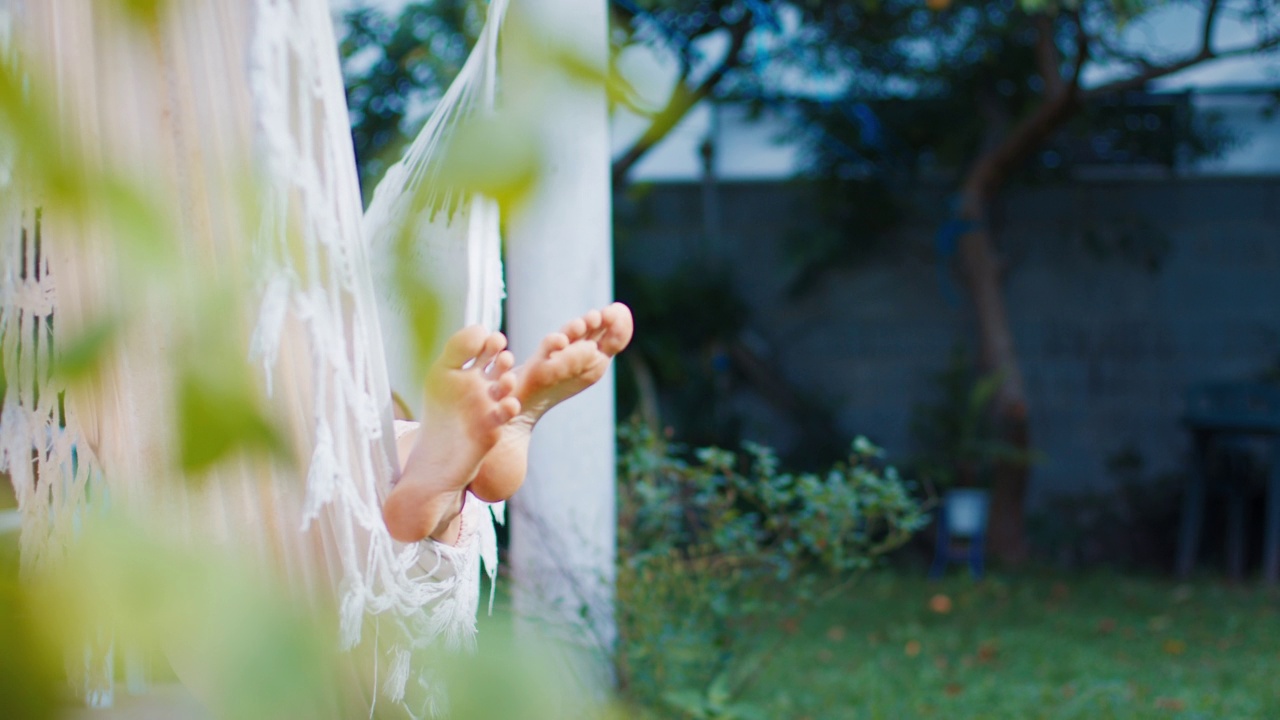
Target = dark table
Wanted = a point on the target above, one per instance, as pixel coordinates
(1244, 417)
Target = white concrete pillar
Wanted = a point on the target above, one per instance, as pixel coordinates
(559, 265)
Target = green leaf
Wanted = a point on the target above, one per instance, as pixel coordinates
(146, 13)
(497, 156)
(31, 677)
(420, 300)
(719, 692)
(219, 406)
(689, 702)
(137, 221)
(984, 391)
(256, 651)
(218, 416)
(82, 355)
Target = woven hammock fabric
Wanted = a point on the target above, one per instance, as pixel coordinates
(456, 248)
(233, 113)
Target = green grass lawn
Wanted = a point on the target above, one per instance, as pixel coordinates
(1093, 646)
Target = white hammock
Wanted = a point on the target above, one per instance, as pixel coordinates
(189, 112)
(456, 247)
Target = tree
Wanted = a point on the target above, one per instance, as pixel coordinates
(396, 68)
(987, 87)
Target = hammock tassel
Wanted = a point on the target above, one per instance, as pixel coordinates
(394, 686)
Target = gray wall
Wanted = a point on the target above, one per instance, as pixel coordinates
(1108, 346)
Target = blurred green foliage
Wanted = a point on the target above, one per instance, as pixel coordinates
(713, 543)
(236, 634)
(955, 434)
(32, 683)
(397, 68)
(689, 320)
(146, 13)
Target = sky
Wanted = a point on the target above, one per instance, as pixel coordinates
(759, 149)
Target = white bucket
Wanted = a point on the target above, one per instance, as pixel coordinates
(966, 510)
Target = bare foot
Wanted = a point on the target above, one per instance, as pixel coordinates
(565, 364)
(469, 401)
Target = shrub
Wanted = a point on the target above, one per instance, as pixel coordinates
(715, 547)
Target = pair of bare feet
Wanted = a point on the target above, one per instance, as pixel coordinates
(480, 413)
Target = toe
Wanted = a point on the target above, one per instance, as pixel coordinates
(594, 322)
(506, 409)
(553, 343)
(503, 386)
(463, 346)
(575, 329)
(618, 329)
(502, 364)
(494, 344)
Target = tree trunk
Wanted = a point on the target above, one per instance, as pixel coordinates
(982, 273)
(981, 270)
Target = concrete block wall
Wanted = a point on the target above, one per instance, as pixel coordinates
(1108, 344)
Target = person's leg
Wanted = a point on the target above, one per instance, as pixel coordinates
(469, 402)
(566, 363)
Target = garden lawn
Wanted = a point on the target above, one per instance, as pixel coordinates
(1095, 646)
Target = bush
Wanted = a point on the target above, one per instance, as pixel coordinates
(715, 547)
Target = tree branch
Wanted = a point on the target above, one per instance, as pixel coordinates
(1082, 54)
(1206, 33)
(1048, 56)
(682, 99)
(1155, 72)
(995, 165)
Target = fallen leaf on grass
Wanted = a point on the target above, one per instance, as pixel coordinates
(835, 633)
(940, 604)
(953, 689)
(790, 626)
(988, 652)
(913, 648)
(1167, 703)
(1174, 647)
(1106, 626)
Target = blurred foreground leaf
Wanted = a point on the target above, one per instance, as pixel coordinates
(146, 13)
(421, 301)
(81, 356)
(140, 227)
(219, 406)
(237, 640)
(497, 156)
(218, 415)
(31, 682)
